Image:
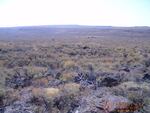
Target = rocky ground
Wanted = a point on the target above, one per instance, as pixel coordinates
(89, 75)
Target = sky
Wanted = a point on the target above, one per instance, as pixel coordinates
(76, 12)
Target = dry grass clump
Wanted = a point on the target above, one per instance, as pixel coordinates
(130, 84)
(2, 92)
(71, 88)
(136, 92)
(11, 95)
(68, 76)
(69, 64)
(36, 69)
(40, 82)
(4, 73)
(48, 93)
(2, 62)
(51, 92)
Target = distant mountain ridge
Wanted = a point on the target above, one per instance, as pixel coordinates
(75, 26)
(61, 26)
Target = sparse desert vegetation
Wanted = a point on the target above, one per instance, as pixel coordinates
(75, 70)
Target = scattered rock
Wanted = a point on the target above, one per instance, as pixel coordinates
(60, 103)
(146, 76)
(147, 62)
(109, 82)
(50, 72)
(91, 79)
(57, 76)
(53, 73)
(126, 69)
(55, 83)
(74, 105)
(18, 81)
(72, 53)
(19, 107)
(17, 62)
(111, 103)
(2, 109)
(102, 103)
(86, 47)
(1, 104)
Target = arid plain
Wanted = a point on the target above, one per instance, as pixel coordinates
(75, 69)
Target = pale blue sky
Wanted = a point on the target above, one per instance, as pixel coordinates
(81, 12)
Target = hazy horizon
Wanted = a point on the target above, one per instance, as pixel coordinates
(73, 25)
(117, 13)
